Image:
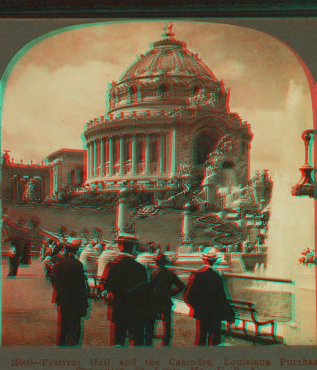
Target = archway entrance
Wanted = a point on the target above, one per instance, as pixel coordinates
(205, 143)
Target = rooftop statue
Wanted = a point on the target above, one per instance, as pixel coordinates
(203, 99)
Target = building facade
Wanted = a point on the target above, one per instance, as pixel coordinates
(23, 181)
(66, 169)
(31, 182)
(165, 115)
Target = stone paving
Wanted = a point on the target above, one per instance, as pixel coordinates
(30, 319)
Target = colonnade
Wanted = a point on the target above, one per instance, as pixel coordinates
(19, 187)
(127, 154)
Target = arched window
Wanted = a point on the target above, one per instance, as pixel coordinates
(164, 90)
(133, 94)
(196, 89)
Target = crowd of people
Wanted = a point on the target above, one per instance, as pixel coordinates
(135, 298)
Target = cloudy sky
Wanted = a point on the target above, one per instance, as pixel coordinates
(60, 83)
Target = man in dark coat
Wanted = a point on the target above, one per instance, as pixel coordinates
(71, 296)
(164, 285)
(206, 296)
(126, 282)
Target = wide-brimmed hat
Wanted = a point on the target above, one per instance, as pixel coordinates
(127, 238)
(75, 242)
(211, 254)
(72, 248)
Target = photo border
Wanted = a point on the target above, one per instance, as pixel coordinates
(217, 355)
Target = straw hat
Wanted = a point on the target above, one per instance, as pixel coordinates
(211, 254)
(127, 238)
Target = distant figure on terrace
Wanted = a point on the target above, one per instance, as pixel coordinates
(206, 296)
(71, 295)
(14, 258)
(164, 285)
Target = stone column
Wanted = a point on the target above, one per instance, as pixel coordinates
(95, 158)
(101, 161)
(134, 163)
(52, 181)
(121, 154)
(17, 189)
(162, 156)
(106, 156)
(110, 156)
(88, 160)
(121, 210)
(147, 154)
(173, 154)
(185, 246)
(56, 179)
(91, 159)
(186, 222)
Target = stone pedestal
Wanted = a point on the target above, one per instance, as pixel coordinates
(121, 210)
(106, 256)
(89, 260)
(210, 189)
(185, 248)
(186, 229)
(305, 304)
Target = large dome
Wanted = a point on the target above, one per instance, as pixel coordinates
(167, 74)
(168, 56)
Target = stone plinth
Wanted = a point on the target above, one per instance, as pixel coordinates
(185, 248)
(89, 260)
(121, 209)
(305, 304)
(106, 256)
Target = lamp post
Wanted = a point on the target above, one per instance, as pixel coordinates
(306, 185)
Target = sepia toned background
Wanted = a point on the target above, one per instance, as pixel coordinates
(60, 83)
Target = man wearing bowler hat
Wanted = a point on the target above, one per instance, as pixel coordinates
(71, 296)
(206, 296)
(126, 282)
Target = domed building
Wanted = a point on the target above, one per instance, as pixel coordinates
(165, 114)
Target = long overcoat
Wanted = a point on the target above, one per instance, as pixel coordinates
(127, 281)
(205, 294)
(70, 285)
